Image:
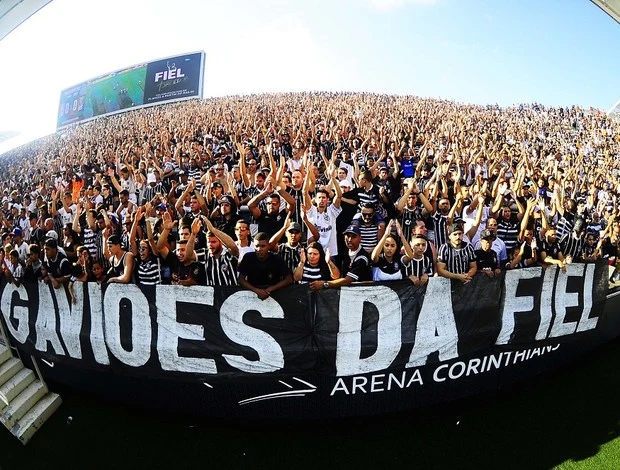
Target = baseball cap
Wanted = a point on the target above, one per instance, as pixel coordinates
(455, 228)
(345, 183)
(17, 231)
(353, 230)
(52, 234)
(151, 178)
(226, 200)
(295, 227)
(486, 234)
(114, 240)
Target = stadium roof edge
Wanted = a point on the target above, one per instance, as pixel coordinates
(15, 12)
(611, 7)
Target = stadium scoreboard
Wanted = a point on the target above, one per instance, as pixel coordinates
(164, 80)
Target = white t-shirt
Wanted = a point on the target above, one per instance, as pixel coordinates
(67, 215)
(325, 223)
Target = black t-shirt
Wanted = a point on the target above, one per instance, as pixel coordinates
(271, 223)
(58, 267)
(265, 273)
(486, 260)
(193, 270)
(227, 226)
(550, 250)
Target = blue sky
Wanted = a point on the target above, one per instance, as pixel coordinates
(555, 52)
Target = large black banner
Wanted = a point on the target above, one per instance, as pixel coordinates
(340, 352)
(219, 332)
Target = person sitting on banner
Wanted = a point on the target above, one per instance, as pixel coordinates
(371, 225)
(261, 271)
(456, 259)
(357, 264)
(56, 267)
(315, 266)
(387, 262)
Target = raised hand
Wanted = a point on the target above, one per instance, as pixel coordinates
(196, 226)
(167, 221)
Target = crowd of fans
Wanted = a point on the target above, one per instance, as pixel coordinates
(320, 188)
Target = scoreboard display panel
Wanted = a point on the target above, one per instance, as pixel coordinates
(163, 80)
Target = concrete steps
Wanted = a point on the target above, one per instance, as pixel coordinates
(25, 401)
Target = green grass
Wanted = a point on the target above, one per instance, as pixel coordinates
(569, 420)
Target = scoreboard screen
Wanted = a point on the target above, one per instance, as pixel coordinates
(169, 79)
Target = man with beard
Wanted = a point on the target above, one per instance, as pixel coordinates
(221, 258)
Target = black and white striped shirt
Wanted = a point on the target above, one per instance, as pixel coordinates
(369, 236)
(419, 267)
(457, 260)
(408, 220)
(90, 242)
(565, 225)
(221, 270)
(571, 246)
(508, 232)
(441, 232)
(195, 174)
(290, 255)
(314, 273)
(148, 192)
(148, 272)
